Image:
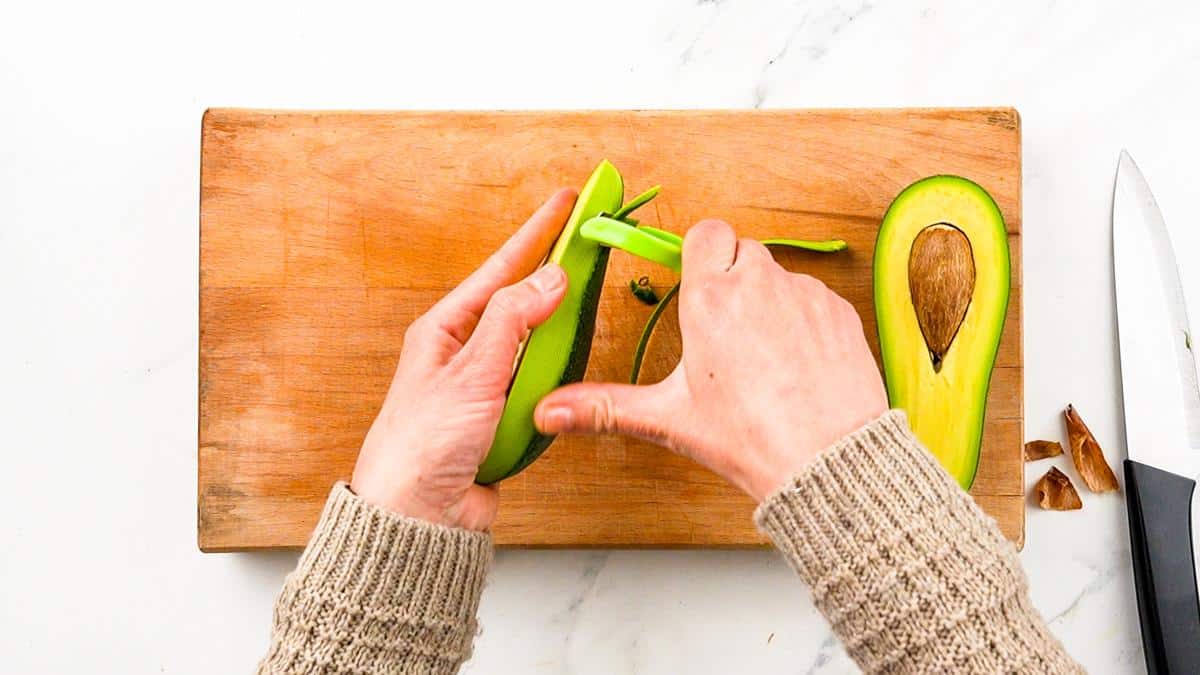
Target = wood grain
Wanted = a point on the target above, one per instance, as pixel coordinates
(322, 235)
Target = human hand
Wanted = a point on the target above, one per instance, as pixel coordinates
(775, 368)
(439, 417)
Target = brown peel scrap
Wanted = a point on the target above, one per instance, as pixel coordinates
(1035, 450)
(1087, 455)
(1055, 492)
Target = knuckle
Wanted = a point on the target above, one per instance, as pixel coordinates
(752, 247)
(812, 285)
(706, 229)
(506, 311)
(755, 258)
(509, 301)
(503, 260)
(703, 293)
(712, 292)
(604, 413)
(417, 330)
(846, 318)
(848, 310)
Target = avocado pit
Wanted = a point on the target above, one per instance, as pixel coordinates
(941, 280)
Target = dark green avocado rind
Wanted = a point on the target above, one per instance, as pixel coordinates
(577, 362)
(545, 360)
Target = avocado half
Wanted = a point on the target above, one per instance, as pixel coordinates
(942, 279)
(556, 352)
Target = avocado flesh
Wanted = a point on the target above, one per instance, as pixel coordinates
(945, 398)
(556, 352)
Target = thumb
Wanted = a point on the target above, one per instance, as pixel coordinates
(510, 314)
(644, 411)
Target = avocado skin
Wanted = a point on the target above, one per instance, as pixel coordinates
(577, 362)
(946, 408)
(551, 355)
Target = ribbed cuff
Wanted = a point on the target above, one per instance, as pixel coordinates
(380, 557)
(375, 590)
(869, 483)
(910, 573)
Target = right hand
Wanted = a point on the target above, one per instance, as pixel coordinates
(775, 369)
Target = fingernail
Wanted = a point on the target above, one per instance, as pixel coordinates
(557, 419)
(548, 278)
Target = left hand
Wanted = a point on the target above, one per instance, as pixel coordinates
(438, 420)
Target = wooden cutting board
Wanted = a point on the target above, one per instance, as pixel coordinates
(322, 235)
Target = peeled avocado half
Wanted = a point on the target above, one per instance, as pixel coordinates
(556, 352)
(941, 295)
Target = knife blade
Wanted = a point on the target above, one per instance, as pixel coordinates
(1162, 424)
(1158, 371)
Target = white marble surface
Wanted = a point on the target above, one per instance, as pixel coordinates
(100, 106)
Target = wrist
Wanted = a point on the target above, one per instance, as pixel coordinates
(389, 498)
(471, 508)
(775, 469)
(396, 499)
(787, 457)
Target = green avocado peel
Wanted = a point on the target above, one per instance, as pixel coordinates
(556, 352)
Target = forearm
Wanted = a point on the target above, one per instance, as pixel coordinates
(378, 592)
(910, 573)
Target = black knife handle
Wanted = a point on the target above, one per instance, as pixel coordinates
(1160, 534)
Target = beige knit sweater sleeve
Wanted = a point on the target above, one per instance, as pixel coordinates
(376, 592)
(911, 574)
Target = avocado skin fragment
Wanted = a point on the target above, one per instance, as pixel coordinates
(642, 290)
